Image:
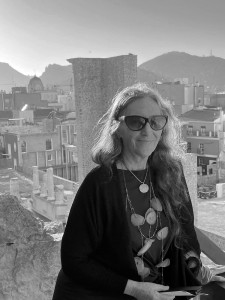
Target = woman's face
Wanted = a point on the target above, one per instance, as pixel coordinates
(138, 145)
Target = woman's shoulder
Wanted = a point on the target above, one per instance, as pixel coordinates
(99, 174)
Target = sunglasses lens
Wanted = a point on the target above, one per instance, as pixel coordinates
(135, 122)
(158, 122)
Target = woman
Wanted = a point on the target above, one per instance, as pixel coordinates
(130, 232)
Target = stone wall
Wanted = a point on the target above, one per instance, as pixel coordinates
(217, 239)
(29, 253)
(96, 81)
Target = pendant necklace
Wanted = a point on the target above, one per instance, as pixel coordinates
(152, 216)
(143, 187)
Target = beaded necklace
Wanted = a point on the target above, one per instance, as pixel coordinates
(152, 216)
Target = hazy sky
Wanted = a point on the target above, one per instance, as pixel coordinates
(36, 33)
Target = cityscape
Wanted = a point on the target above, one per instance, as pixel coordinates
(48, 126)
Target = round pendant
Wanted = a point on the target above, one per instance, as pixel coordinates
(143, 188)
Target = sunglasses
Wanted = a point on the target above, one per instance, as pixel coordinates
(136, 123)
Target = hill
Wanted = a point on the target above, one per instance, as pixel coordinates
(9, 77)
(150, 77)
(209, 71)
(56, 75)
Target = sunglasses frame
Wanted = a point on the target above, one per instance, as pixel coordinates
(147, 120)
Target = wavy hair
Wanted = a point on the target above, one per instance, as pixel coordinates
(165, 162)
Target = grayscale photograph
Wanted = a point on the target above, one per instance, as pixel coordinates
(112, 150)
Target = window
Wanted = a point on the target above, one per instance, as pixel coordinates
(9, 151)
(190, 130)
(48, 144)
(188, 147)
(64, 135)
(210, 171)
(201, 148)
(203, 130)
(24, 146)
(64, 156)
(49, 157)
(201, 162)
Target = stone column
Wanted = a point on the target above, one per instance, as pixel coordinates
(44, 186)
(14, 187)
(36, 186)
(50, 184)
(96, 81)
(190, 172)
(59, 194)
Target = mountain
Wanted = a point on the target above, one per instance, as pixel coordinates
(209, 71)
(9, 77)
(150, 77)
(62, 76)
(56, 75)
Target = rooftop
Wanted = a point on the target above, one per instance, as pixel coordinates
(25, 129)
(206, 115)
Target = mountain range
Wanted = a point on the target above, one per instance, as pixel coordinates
(209, 71)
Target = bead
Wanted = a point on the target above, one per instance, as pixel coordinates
(156, 204)
(162, 233)
(137, 220)
(148, 243)
(139, 264)
(164, 263)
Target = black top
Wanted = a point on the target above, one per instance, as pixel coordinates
(96, 252)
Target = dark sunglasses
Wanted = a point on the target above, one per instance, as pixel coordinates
(137, 123)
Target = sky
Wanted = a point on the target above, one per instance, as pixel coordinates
(36, 33)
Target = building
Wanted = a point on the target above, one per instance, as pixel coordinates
(28, 145)
(19, 89)
(5, 116)
(35, 85)
(6, 102)
(183, 96)
(33, 100)
(203, 130)
(218, 100)
(67, 101)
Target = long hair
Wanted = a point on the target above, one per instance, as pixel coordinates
(165, 161)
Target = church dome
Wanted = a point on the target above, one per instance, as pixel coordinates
(35, 85)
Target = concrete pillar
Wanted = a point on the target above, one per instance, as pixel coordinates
(36, 186)
(50, 184)
(14, 187)
(44, 186)
(190, 172)
(59, 194)
(96, 81)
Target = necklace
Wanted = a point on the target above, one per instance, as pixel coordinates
(152, 216)
(143, 187)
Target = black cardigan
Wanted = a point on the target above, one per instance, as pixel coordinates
(96, 252)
